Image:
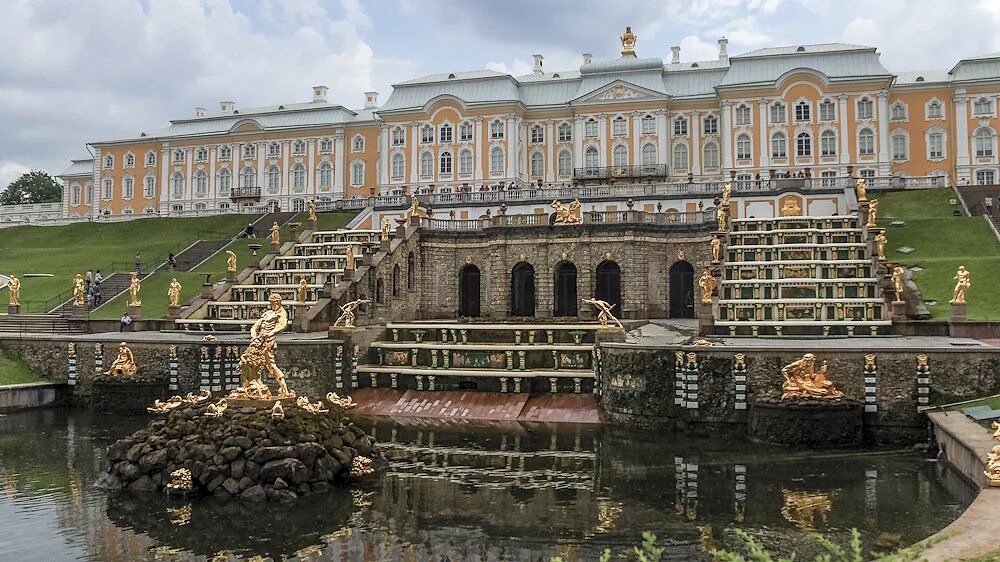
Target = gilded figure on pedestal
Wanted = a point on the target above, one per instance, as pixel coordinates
(302, 290)
(707, 283)
(349, 252)
(133, 290)
(14, 291)
(722, 214)
(259, 355)
(872, 213)
(347, 314)
(861, 190)
(78, 291)
(230, 261)
(880, 243)
(312, 210)
(604, 315)
(803, 381)
(124, 363)
(174, 293)
(716, 248)
(275, 233)
(898, 282)
(963, 283)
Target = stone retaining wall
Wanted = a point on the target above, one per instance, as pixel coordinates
(31, 395)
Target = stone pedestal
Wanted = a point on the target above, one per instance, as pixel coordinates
(400, 231)
(173, 312)
(206, 291)
(230, 276)
(78, 312)
(898, 310)
(366, 259)
(295, 231)
(349, 274)
(301, 318)
(311, 225)
(611, 335)
(706, 319)
(862, 213)
(340, 333)
(135, 311)
(383, 246)
(958, 312)
(13, 309)
(274, 247)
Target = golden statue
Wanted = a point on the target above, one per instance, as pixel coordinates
(14, 291)
(159, 407)
(861, 190)
(312, 210)
(922, 365)
(791, 207)
(898, 282)
(124, 363)
(275, 233)
(78, 294)
(193, 398)
(802, 381)
(727, 191)
(360, 466)
(305, 404)
(567, 215)
(962, 276)
(872, 213)
(385, 229)
(880, 242)
(231, 261)
(133, 290)
(604, 315)
(302, 290)
(993, 460)
(707, 283)
(716, 248)
(722, 214)
(350, 257)
(260, 353)
(180, 480)
(345, 402)
(216, 410)
(277, 412)
(628, 41)
(347, 316)
(174, 293)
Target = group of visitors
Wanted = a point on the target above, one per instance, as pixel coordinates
(92, 288)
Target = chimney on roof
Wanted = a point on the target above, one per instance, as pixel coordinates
(227, 105)
(675, 55)
(538, 64)
(371, 100)
(586, 58)
(319, 93)
(199, 111)
(723, 49)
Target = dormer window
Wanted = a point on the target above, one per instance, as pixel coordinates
(178, 155)
(299, 147)
(426, 134)
(274, 150)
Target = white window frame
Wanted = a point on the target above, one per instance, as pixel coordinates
(465, 131)
(149, 186)
(986, 177)
(939, 134)
(648, 156)
(591, 158)
(445, 163)
(225, 180)
(778, 113)
(358, 143)
(710, 155)
(426, 164)
(177, 187)
(803, 111)
(710, 125)
(446, 133)
(201, 154)
(619, 126)
(779, 145)
(982, 140)
(744, 147)
(201, 183)
(496, 129)
(326, 145)
(299, 147)
(109, 162)
(934, 109)
(298, 174)
(497, 161)
(648, 125)
(828, 143)
(129, 160)
(827, 110)
(681, 156)
(397, 166)
(590, 128)
(864, 150)
(272, 177)
(982, 106)
(150, 158)
(898, 111)
(465, 162)
(619, 156)
(899, 146)
(537, 164)
(398, 136)
(564, 132)
(178, 156)
(537, 134)
(248, 177)
(358, 173)
(743, 115)
(324, 175)
(249, 150)
(565, 163)
(680, 126)
(225, 152)
(864, 108)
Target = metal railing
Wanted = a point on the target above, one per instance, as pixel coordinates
(591, 217)
(609, 172)
(244, 192)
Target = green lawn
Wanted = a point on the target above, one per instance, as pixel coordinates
(15, 371)
(942, 242)
(64, 251)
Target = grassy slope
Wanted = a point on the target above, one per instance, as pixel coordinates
(15, 371)
(942, 243)
(64, 251)
(154, 289)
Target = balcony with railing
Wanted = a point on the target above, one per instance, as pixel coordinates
(242, 193)
(625, 172)
(695, 218)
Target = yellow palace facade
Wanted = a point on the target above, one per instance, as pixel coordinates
(819, 111)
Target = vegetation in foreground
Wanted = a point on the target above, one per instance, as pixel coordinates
(15, 371)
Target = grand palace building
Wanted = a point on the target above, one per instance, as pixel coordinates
(814, 111)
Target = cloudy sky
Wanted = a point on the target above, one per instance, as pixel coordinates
(74, 71)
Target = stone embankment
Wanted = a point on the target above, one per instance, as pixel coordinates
(245, 453)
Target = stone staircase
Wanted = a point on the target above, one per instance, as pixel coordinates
(39, 323)
(505, 358)
(196, 253)
(112, 286)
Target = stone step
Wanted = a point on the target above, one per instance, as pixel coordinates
(493, 373)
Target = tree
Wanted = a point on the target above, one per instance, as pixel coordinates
(32, 187)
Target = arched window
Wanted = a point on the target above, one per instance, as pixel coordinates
(496, 160)
(710, 156)
(779, 145)
(465, 162)
(565, 133)
(866, 142)
(619, 156)
(273, 179)
(109, 161)
(398, 137)
(445, 163)
(326, 145)
(590, 158)
(298, 147)
(398, 166)
(225, 180)
(984, 142)
(465, 131)
(828, 143)
(274, 149)
(358, 172)
(396, 281)
(537, 164)
(680, 156)
(248, 177)
(201, 182)
(680, 126)
(619, 127)
(298, 176)
(201, 154)
(410, 273)
(496, 129)
(445, 134)
(803, 111)
(743, 147)
(648, 154)
(177, 184)
(803, 145)
(711, 125)
(565, 163)
(150, 158)
(149, 186)
(827, 110)
(426, 165)
(226, 152)
(358, 144)
(325, 176)
(129, 160)
(537, 134)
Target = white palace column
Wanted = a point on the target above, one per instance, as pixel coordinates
(727, 137)
(189, 167)
(286, 183)
(311, 146)
(414, 156)
(477, 139)
(662, 139)
(845, 133)
(338, 165)
(550, 145)
(602, 135)
(695, 152)
(764, 157)
(213, 185)
(511, 132)
(383, 158)
(164, 163)
(883, 134)
(962, 159)
(636, 139)
(578, 142)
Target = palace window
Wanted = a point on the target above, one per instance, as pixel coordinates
(984, 142)
(149, 187)
(446, 133)
(496, 160)
(803, 145)
(537, 164)
(711, 125)
(985, 177)
(426, 165)
(201, 182)
(866, 142)
(249, 150)
(88, 194)
(129, 211)
(899, 147)
(590, 129)
(358, 144)
(128, 187)
(619, 127)
(150, 158)
(710, 155)
(426, 134)
(743, 147)
(201, 154)
(742, 114)
(803, 111)
(358, 173)
(445, 163)
(619, 156)
(248, 177)
(325, 176)
(298, 177)
(75, 194)
(898, 111)
(274, 149)
(934, 110)
(649, 125)
(680, 126)
(226, 152)
(273, 176)
(465, 131)
(177, 185)
(935, 145)
(496, 130)
(178, 156)
(398, 166)
(591, 160)
(867, 173)
(109, 162)
(537, 134)
(827, 110)
(866, 108)
(326, 145)
(565, 133)
(130, 160)
(298, 147)
(779, 146)
(398, 137)
(828, 143)
(565, 163)
(465, 162)
(982, 106)
(778, 112)
(225, 180)
(680, 156)
(648, 154)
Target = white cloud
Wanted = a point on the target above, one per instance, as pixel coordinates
(517, 67)
(10, 171)
(694, 49)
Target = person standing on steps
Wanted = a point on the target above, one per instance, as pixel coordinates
(138, 264)
(89, 279)
(988, 203)
(98, 279)
(172, 262)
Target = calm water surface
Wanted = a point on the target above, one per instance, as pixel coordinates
(460, 494)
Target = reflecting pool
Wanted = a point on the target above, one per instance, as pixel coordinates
(456, 493)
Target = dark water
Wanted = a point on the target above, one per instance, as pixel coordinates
(458, 494)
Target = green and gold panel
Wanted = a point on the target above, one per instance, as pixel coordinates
(574, 359)
(396, 357)
(478, 360)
